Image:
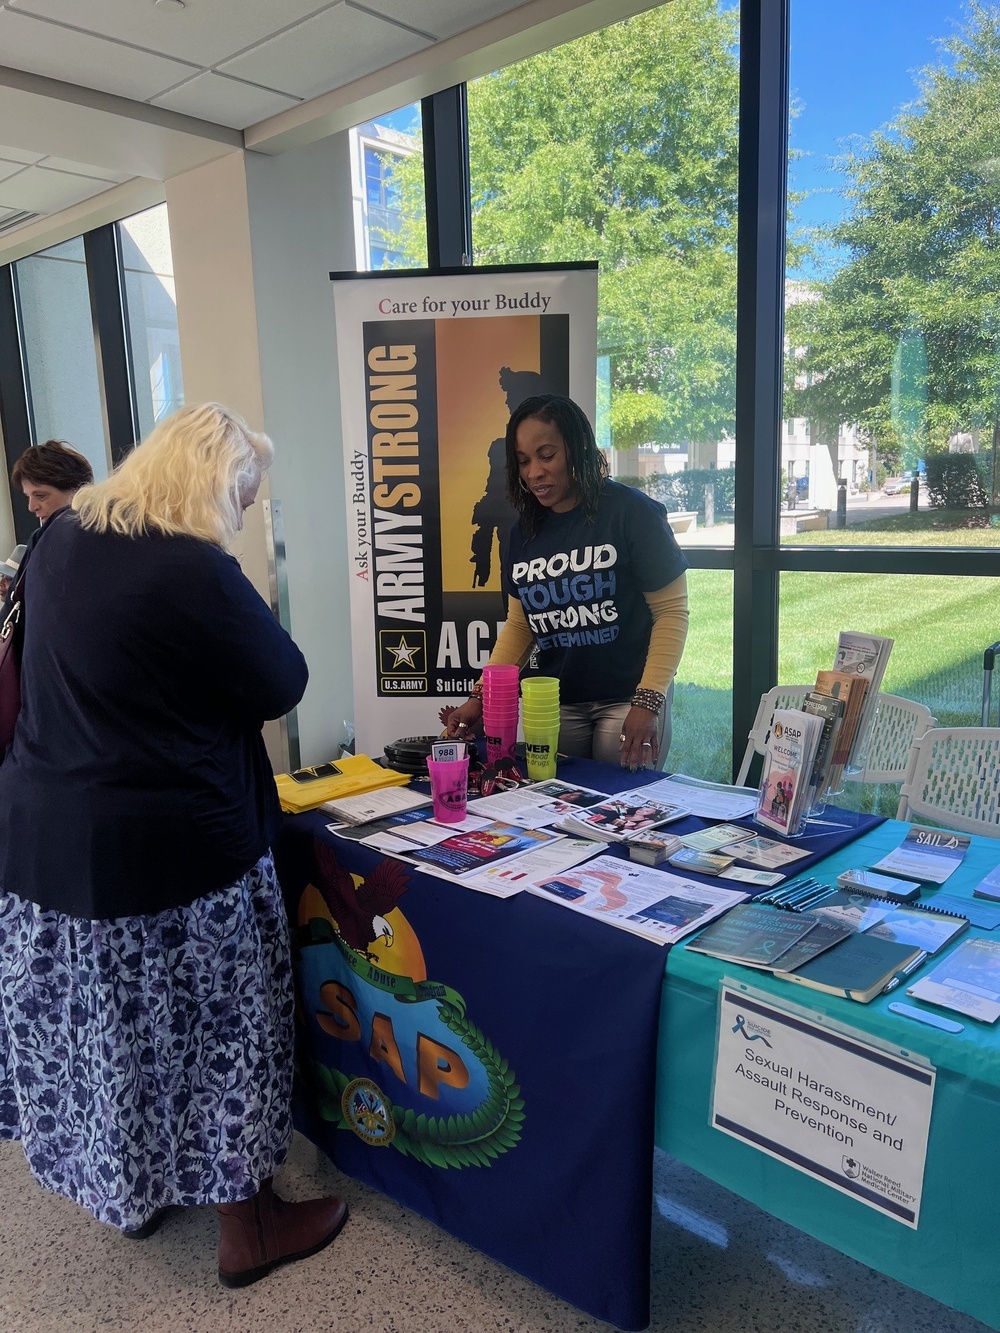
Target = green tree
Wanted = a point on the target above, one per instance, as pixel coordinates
(622, 147)
(904, 339)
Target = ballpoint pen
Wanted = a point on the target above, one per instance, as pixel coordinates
(910, 967)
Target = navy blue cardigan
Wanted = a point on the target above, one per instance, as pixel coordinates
(137, 779)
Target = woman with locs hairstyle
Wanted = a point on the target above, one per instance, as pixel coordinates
(146, 1004)
(596, 591)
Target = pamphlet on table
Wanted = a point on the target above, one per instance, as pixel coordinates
(926, 854)
(371, 805)
(509, 877)
(630, 814)
(707, 800)
(989, 885)
(648, 902)
(786, 778)
(537, 806)
(967, 981)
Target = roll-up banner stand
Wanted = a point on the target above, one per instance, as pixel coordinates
(431, 366)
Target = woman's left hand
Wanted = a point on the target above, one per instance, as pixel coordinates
(639, 739)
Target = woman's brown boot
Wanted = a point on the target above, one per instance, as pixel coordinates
(262, 1233)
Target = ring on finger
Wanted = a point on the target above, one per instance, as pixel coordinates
(622, 738)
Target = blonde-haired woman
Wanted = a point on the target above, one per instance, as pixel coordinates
(145, 984)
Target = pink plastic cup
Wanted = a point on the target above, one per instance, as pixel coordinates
(449, 788)
(500, 741)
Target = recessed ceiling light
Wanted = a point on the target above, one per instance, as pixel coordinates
(171, 5)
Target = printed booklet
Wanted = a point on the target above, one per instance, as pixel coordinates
(929, 855)
(652, 903)
(619, 818)
(789, 757)
(967, 980)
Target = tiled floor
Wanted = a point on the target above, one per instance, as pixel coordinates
(719, 1264)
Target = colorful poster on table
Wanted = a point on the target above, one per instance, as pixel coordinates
(430, 369)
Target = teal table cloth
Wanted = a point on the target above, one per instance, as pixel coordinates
(951, 1255)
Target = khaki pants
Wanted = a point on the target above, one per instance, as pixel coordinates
(591, 731)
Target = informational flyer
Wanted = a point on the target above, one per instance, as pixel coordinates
(652, 903)
(825, 1101)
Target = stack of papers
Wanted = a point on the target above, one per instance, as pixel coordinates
(927, 854)
(966, 981)
(630, 814)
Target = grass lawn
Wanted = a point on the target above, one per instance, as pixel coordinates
(940, 626)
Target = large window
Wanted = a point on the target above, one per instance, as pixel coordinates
(152, 316)
(893, 303)
(622, 147)
(60, 361)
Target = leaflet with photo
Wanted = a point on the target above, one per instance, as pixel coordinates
(716, 838)
(928, 854)
(507, 878)
(359, 832)
(768, 853)
(460, 853)
(864, 657)
(966, 980)
(652, 903)
(929, 931)
(703, 863)
(618, 818)
(536, 806)
(789, 757)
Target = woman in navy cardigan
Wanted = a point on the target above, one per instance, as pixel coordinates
(145, 985)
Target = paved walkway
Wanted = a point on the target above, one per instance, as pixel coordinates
(860, 509)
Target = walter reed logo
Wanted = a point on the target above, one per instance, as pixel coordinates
(752, 1031)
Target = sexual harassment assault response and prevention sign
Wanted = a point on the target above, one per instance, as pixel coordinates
(431, 366)
(825, 1101)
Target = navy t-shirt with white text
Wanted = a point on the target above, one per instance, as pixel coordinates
(581, 587)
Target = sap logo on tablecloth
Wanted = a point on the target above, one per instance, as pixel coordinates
(394, 1056)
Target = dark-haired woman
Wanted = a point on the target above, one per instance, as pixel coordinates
(595, 587)
(49, 474)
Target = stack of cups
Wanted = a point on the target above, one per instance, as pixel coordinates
(540, 713)
(500, 711)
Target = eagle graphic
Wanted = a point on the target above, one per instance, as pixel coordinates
(360, 912)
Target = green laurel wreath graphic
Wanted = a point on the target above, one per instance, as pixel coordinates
(473, 1139)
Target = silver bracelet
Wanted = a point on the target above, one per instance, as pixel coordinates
(651, 700)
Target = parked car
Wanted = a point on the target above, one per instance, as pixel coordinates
(898, 485)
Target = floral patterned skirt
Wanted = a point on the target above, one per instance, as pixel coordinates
(147, 1061)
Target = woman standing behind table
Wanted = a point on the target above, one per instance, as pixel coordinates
(145, 985)
(595, 582)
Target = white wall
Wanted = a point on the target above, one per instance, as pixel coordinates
(253, 241)
(302, 227)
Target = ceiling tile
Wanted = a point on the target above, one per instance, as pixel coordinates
(204, 32)
(18, 155)
(59, 53)
(442, 18)
(325, 52)
(39, 191)
(84, 169)
(225, 101)
(8, 169)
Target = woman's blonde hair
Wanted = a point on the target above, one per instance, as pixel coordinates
(188, 478)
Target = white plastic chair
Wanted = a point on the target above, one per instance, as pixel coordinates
(898, 723)
(953, 779)
(778, 696)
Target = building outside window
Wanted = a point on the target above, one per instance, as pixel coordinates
(387, 172)
(151, 309)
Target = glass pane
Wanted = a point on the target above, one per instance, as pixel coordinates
(940, 626)
(58, 332)
(892, 302)
(390, 229)
(703, 691)
(152, 315)
(638, 170)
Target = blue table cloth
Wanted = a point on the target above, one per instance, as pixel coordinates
(494, 1068)
(952, 1253)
